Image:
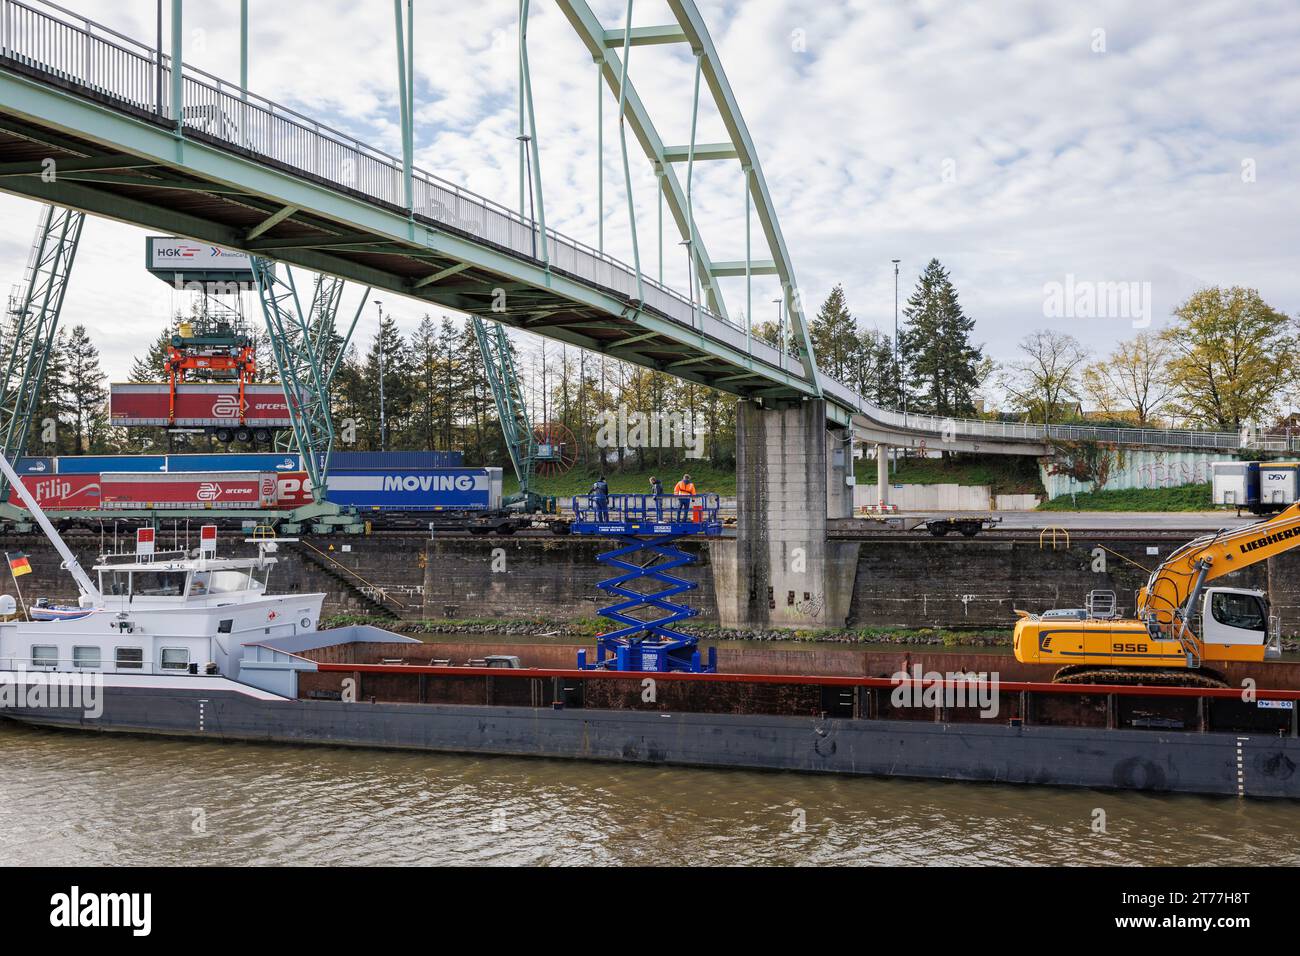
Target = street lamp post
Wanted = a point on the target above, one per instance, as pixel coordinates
(383, 421)
(898, 376)
(690, 276)
(780, 330)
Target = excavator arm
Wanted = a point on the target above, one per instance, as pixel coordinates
(1170, 595)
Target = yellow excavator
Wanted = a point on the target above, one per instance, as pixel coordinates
(1180, 624)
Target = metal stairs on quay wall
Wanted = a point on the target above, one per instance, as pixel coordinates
(384, 605)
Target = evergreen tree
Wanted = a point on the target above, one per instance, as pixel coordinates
(85, 395)
(941, 365)
(151, 365)
(47, 435)
(424, 353)
(834, 335)
(388, 373)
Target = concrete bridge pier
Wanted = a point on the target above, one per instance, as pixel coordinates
(882, 475)
(781, 571)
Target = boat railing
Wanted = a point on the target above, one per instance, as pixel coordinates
(26, 665)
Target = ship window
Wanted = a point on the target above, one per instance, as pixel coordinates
(223, 582)
(1238, 610)
(225, 626)
(175, 658)
(115, 582)
(130, 657)
(160, 583)
(85, 657)
(45, 655)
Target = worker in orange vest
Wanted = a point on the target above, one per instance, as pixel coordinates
(684, 489)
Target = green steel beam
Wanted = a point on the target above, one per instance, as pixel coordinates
(691, 21)
(33, 325)
(763, 267)
(592, 34)
(507, 393)
(87, 164)
(270, 222)
(438, 276)
(645, 36)
(300, 371)
(703, 151)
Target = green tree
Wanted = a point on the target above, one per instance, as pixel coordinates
(940, 363)
(85, 393)
(1233, 355)
(834, 336)
(388, 382)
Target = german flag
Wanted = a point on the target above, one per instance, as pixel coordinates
(18, 563)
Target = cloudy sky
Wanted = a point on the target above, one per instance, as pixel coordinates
(1020, 143)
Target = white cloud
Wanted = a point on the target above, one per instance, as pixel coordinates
(1122, 165)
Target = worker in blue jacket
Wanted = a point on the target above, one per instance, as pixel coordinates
(600, 498)
(657, 490)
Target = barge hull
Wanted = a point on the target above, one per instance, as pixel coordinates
(1227, 764)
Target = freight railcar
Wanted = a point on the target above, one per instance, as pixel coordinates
(397, 489)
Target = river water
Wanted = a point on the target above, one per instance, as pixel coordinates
(71, 798)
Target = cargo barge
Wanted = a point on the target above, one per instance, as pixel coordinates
(364, 687)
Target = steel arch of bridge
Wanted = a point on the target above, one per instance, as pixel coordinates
(610, 49)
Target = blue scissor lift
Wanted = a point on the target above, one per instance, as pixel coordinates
(648, 526)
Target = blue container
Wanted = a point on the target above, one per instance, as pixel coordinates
(35, 466)
(395, 460)
(428, 489)
(289, 461)
(100, 464)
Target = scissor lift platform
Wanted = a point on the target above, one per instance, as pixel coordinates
(647, 526)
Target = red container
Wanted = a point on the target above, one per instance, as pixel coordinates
(63, 492)
(203, 404)
(292, 488)
(198, 490)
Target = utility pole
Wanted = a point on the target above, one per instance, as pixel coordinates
(383, 421)
(898, 374)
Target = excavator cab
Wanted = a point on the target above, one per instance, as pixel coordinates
(1238, 616)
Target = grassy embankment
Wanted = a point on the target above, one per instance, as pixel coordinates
(1182, 498)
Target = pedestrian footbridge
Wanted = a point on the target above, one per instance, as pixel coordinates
(108, 124)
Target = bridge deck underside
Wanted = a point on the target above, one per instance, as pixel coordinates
(109, 179)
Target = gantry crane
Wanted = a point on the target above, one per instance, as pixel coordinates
(34, 310)
(532, 448)
(1164, 642)
(307, 352)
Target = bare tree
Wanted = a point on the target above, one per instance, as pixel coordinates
(1039, 383)
(1133, 379)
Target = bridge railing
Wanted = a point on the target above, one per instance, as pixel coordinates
(52, 39)
(966, 428)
